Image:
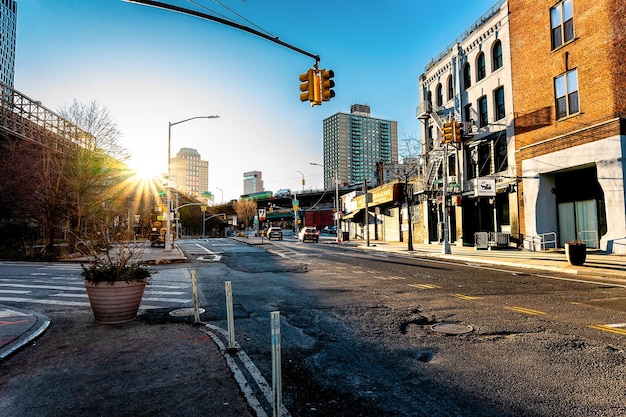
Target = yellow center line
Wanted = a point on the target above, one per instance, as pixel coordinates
(526, 310)
(424, 286)
(610, 329)
(465, 297)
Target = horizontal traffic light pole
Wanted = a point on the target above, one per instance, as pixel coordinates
(224, 22)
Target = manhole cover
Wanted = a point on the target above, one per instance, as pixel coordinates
(185, 312)
(451, 328)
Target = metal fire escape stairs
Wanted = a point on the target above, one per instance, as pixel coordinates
(435, 155)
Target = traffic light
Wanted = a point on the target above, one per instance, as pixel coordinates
(448, 132)
(306, 85)
(327, 84)
(456, 129)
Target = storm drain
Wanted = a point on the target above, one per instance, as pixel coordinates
(185, 312)
(451, 328)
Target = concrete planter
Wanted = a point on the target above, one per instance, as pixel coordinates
(115, 303)
(576, 253)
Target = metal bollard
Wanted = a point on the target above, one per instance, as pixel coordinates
(196, 301)
(229, 314)
(277, 389)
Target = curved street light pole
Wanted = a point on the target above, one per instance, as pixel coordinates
(169, 242)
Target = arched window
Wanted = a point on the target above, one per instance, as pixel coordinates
(496, 55)
(481, 70)
(467, 76)
(450, 88)
(439, 93)
(429, 100)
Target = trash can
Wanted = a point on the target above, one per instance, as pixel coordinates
(345, 236)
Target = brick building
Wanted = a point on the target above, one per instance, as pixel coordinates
(569, 98)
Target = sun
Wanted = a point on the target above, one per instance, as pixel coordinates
(144, 168)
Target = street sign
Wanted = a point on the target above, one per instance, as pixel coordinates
(261, 214)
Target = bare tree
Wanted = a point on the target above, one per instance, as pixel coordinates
(245, 209)
(410, 173)
(95, 168)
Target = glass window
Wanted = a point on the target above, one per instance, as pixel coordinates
(566, 94)
(562, 23)
(482, 112)
(467, 76)
(439, 95)
(498, 99)
(496, 55)
(450, 88)
(481, 70)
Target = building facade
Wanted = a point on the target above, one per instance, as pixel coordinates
(469, 82)
(354, 143)
(252, 182)
(569, 94)
(8, 29)
(190, 172)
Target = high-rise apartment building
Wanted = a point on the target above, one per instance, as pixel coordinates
(190, 171)
(354, 143)
(252, 182)
(8, 28)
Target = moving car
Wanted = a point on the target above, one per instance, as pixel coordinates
(309, 233)
(275, 233)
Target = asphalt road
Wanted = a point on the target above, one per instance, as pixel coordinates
(362, 332)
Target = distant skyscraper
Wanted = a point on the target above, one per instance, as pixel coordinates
(354, 143)
(8, 27)
(191, 172)
(252, 182)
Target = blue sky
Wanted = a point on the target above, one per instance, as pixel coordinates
(151, 66)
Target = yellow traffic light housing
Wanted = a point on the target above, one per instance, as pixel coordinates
(457, 135)
(447, 132)
(307, 81)
(327, 84)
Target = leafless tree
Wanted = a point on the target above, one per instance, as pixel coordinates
(245, 209)
(410, 174)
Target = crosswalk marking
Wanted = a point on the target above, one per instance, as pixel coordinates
(50, 288)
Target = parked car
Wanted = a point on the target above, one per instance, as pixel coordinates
(274, 233)
(331, 230)
(309, 233)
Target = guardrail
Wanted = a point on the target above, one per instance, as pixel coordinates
(541, 242)
(488, 240)
(590, 237)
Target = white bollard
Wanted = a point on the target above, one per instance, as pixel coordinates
(229, 314)
(277, 389)
(196, 301)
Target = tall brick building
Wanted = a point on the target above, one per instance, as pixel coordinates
(569, 99)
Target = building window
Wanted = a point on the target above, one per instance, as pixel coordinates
(566, 94)
(467, 112)
(482, 112)
(467, 76)
(498, 99)
(450, 88)
(496, 55)
(439, 94)
(481, 71)
(562, 23)
(429, 100)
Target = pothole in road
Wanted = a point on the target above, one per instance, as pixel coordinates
(405, 327)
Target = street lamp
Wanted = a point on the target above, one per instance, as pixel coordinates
(337, 223)
(302, 180)
(169, 244)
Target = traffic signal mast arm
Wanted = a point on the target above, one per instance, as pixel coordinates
(225, 22)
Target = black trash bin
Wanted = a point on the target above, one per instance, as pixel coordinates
(345, 236)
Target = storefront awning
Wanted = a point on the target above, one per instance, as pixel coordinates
(352, 214)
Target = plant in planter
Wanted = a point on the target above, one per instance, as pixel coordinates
(115, 281)
(576, 252)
